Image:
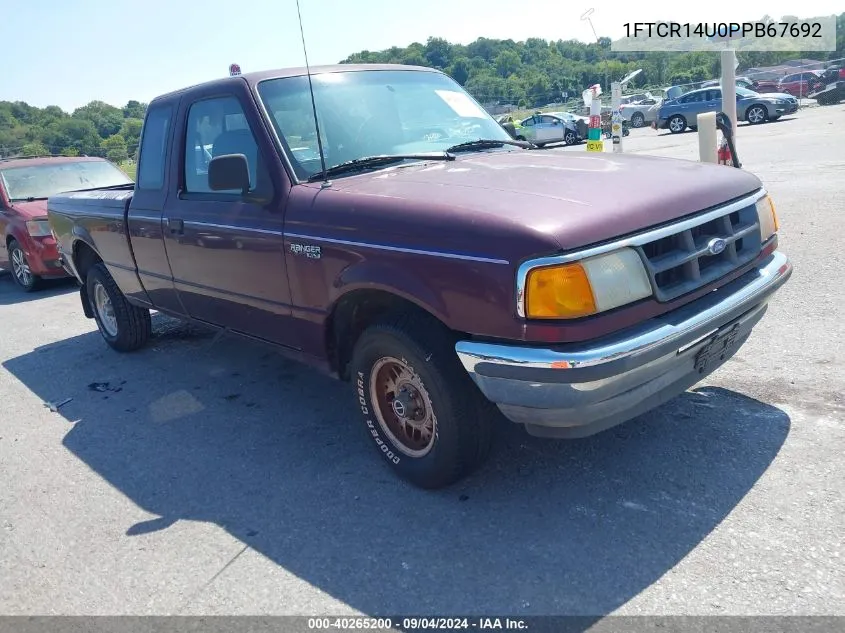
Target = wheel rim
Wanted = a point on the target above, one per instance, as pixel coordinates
(755, 115)
(402, 406)
(105, 309)
(569, 139)
(637, 120)
(21, 269)
(676, 125)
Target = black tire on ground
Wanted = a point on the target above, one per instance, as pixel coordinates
(637, 119)
(124, 327)
(676, 124)
(570, 138)
(21, 272)
(756, 114)
(407, 366)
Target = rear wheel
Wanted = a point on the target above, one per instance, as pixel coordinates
(21, 271)
(637, 119)
(420, 408)
(125, 327)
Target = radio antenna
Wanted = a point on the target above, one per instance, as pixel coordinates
(311, 90)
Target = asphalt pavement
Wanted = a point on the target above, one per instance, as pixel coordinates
(211, 476)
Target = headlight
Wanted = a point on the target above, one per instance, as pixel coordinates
(767, 217)
(585, 287)
(38, 228)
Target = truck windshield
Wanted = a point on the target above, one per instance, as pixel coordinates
(48, 179)
(373, 112)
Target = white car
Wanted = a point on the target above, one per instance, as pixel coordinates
(549, 127)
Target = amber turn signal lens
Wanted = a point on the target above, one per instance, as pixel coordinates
(774, 214)
(559, 292)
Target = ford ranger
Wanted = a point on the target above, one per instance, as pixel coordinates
(375, 222)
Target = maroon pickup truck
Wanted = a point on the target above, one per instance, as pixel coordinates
(405, 243)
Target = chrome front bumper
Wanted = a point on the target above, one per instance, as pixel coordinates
(576, 390)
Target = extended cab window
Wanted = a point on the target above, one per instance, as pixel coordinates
(217, 127)
(151, 157)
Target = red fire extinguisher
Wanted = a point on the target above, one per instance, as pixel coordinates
(723, 154)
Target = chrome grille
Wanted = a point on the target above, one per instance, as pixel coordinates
(683, 262)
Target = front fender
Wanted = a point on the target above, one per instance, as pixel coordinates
(370, 275)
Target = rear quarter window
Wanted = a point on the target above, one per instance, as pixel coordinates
(151, 157)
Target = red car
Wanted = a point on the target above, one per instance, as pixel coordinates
(801, 84)
(28, 247)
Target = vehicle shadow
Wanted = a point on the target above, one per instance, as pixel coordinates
(10, 292)
(202, 428)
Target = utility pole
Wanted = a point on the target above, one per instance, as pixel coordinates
(616, 109)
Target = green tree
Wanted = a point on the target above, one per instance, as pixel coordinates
(35, 149)
(131, 131)
(134, 110)
(507, 63)
(459, 70)
(115, 148)
(106, 119)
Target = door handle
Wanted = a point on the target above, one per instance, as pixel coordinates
(176, 225)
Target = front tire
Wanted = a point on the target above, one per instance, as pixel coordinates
(637, 119)
(756, 114)
(419, 406)
(21, 271)
(677, 124)
(124, 327)
(570, 138)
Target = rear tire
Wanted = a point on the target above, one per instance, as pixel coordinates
(637, 119)
(21, 272)
(124, 327)
(419, 406)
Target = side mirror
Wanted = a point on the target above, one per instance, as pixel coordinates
(228, 172)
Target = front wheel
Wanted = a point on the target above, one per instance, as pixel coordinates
(756, 114)
(124, 327)
(21, 271)
(677, 124)
(570, 138)
(638, 119)
(419, 406)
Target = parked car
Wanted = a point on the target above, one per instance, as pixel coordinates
(28, 248)
(801, 84)
(440, 276)
(642, 113)
(678, 114)
(542, 129)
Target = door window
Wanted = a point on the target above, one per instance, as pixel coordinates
(216, 127)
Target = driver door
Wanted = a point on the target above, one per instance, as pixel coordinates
(549, 129)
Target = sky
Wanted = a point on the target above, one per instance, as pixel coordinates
(70, 52)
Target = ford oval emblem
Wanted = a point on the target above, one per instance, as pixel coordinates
(716, 245)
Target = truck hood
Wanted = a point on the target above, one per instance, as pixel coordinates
(31, 210)
(571, 197)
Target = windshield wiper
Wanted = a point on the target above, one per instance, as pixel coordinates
(28, 199)
(377, 161)
(484, 143)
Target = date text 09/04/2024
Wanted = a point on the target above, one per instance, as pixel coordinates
(417, 623)
(724, 29)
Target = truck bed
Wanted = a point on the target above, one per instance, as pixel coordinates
(99, 217)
